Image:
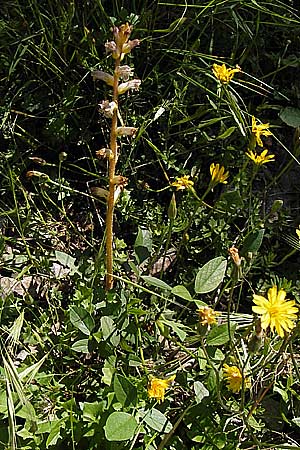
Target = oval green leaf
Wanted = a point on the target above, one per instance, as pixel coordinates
(157, 421)
(253, 242)
(210, 275)
(82, 319)
(120, 426)
(156, 282)
(220, 335)
(290, 116)
(182, 292)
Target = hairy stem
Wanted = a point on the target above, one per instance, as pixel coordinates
(111, 175)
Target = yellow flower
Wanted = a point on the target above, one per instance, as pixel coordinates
(263, 158)
(276, 312)
(183, 183)
(207, 315)
(223, 74)
(234, 378)
(218, 174)
(260, 130)
(157, 387)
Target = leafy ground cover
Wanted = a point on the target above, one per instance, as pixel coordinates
(194, 341)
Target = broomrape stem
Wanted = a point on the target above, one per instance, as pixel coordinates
(111, 193)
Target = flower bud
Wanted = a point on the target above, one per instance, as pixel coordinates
(277, 205)
(35, 173)
(103, 76)
(234, 253)
(172, 210)
(99, 192)
(126, 131)
(130, 45)
(37, 160)
(62, 156)
(105, 153)
(119, 180)
(121, 34)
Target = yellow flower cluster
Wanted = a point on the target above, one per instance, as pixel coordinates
(207, 315)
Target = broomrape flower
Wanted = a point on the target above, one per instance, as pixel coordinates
(218, 174)
(207, 315)
(234, 378)
(124, 72)
(223, 74)
(157, 388)
(131, 84)
(276, 312)
(126, 131)
(108, 108)
(260, 130)
(182, 183)
(103, 76)
(263, 158)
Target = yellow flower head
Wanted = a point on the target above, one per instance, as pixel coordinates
(276, 312)
(263, 158)
(223, 74)
(207, 315)
(260, 130)
(218, 174)
(183, 183)
(234, 378)
(157, 387)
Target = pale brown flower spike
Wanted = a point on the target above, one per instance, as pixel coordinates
(118, 48)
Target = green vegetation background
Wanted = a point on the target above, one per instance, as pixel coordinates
(74, 355)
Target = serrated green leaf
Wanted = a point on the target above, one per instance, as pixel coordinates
(120, 426)
(210, 275)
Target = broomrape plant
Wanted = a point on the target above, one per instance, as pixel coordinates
(118, 48)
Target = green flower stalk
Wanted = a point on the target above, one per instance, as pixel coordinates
(119, 47)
